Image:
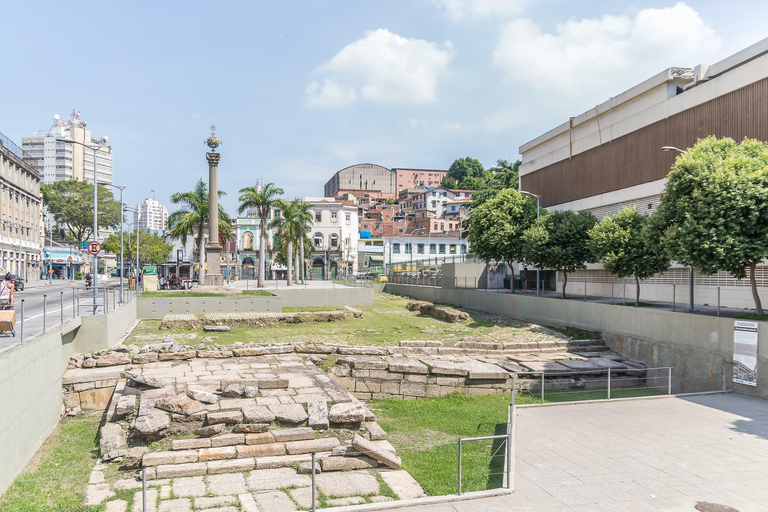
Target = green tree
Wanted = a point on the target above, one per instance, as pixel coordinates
(153, 249)
(628, 245)
(70, 203)
(496, 227)
(290, 226)
(449, 182)
(714, 210)
(263, 200)
(192, 219)
(465, 168)
(559, 240)
(504, 175)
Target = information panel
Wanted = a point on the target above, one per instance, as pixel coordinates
(745, 352)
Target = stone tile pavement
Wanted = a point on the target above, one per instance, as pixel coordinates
(641, 455)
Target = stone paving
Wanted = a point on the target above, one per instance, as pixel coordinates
(665, 454)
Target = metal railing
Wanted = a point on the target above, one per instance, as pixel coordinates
(16, 150)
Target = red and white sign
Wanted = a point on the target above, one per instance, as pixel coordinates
(94, 248)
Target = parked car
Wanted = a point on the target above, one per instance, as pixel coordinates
(18, 282)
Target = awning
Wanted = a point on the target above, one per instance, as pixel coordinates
(377, 258)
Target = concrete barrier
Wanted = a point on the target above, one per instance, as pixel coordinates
(695, 346)
(31, 382)
(157, 307)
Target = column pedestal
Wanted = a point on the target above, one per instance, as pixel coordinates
(213, 275)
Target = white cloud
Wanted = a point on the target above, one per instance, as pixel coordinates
(588, 55)
(458, 9)
(381, 67)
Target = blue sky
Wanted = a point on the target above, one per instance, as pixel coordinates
(299, 90)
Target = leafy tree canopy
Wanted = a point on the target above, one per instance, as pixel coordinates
(497, 226)
(466, 168)
(153, 250)
(70, 202)
(714, 210)
(504, 175)
(559, 240)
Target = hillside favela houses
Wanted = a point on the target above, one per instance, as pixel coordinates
(611, 156)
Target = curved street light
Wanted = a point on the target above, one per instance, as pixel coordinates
(538, 266)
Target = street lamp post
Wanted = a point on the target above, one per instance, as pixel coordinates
(690, 268)
(411, 244)
(136, 225)
(95, 150)
(538, 265)
(122, 260)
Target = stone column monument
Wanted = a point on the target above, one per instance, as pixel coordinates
(213, 275)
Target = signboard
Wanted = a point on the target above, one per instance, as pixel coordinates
(128, 263)
(94, 248)
(745, 352)
(84, 245)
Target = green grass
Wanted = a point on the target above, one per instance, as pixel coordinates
(425, 433)
(56, 478)
(752, 316)
(534, 397)
(386, 322)
(258, 293)
(578, 334)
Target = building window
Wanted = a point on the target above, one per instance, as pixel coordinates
(408, 248)
(442, 248)
(318, 216)
(334, 241)
(334, 216)
(434, 204)
(420, 248)
(435, 228)
(318, 238)
(377, 226)
(432, 249)
(248, 241)
(442, 226)
(396, 248)
(348, 217)
(453, 248)
(400, 230)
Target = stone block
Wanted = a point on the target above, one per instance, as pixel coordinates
(409, 377)
(375, 431)
(223, 453)
(353, 484)
(95, 399)
(293, 434)
(318, 415)
(209, 430)
(247, 503)
(202, 396)
(72, 400)
(250, 428)
(362, 351)
(274, 501)
(176, 356)
(261, 450)
(218, 503)
(314, 445)
(289, 413)
(431, 391)
(412, 389)
(362, 362)
(179, 470)
(281, 461)
(190, 444)
(230, 466)
(442, 367)
(390, 388)
(126, 405)
(133, 457)
(360, 374)
(180, 404)
(407, 365)
(362, 396)
(227, 440)
(347, 463)
(350, 412)
(279, 478)
(480, 391)
(227, 417)
(144, 358)
(258, 414)
(403, 484)
(374, 451)
(152, 427)
(113, 359)
(260, 438)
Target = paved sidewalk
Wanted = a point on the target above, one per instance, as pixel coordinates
(641, 455)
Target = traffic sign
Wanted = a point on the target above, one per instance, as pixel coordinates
(94, 248)
(128, 263)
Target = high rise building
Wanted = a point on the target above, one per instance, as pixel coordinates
(59, 161)
(151, 216)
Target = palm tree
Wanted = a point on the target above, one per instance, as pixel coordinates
(263, 199)
(292, 226)
(303, 227)
(193, 217)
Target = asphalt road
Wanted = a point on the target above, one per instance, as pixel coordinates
(63, 300)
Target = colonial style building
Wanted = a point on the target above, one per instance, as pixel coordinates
(335, 234)
(20, 211)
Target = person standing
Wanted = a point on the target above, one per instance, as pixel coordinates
(7, 288)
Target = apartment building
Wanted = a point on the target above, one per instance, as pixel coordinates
(151, 216)
(610, 156)
(418, 178)
(20, 212)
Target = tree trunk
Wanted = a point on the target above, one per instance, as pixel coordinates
(637, 292)
(200, 262)
(565, 281)
(262, 249)
(753, 285)
(289, 257)
(303, 264)
(297, 269)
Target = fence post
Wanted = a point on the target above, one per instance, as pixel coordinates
(22, 323)
(542, 387)
(669, 381)
(143, 488)
(510, 432)
(313, 482)
(609, 383)
(44, 296)
(674, 300)
(73, 302)
(624, 289)
(459, 466)
(585, 291)
(77, 291)
(718, 301)
(611, 293)
(61, 306)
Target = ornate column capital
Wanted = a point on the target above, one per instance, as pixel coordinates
(213, 158)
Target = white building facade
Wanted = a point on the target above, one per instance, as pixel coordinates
(334, 236)
(419, 250)
(151, 216)
(20, 213)
(60, 161)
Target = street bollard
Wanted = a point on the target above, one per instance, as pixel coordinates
(44, 296)
(674, 300)
(542, 387)
(611, 293)
(585, 291)
(22, 321)
(143, 488)
(73, 303)
(609, 383)
(313, 482)
(718, 301)
(62, 308)
(77, 292)
(669, 381)
(459, 466)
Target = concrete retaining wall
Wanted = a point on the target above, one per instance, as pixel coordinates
(157, 307)
(31, 382)
(696, 346)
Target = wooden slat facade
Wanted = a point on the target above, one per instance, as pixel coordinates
(637, 158)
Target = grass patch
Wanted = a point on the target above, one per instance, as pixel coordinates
(425, 433)
(386, 322)
(56, 478)
(578, 334)
(258, 293)
(752, 316)
(329, 362)
(534, 397)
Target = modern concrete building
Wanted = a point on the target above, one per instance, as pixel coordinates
(20, 212)
(335, 235)
(151, 216)
(610, 156)
(59, 161)
(419, 249)
(418, 178)
(360, 179)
